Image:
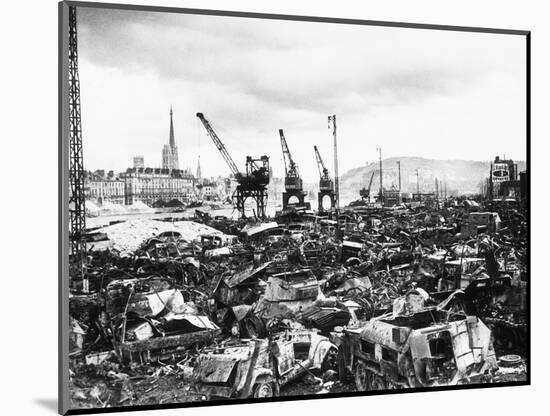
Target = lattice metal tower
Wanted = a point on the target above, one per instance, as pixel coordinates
(76, 162)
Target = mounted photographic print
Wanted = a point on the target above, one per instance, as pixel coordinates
(264, 207)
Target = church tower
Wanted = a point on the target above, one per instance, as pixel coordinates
(199, 173)
(170, 158)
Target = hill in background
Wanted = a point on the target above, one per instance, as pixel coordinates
(461, 176)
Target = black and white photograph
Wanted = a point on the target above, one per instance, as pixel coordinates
(266, 207)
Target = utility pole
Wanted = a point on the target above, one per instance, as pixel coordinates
(399, 174)
(381, 193)
(436, 189)
(332, 119)
(417, 186)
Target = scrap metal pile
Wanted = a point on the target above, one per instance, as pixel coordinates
(301, 304)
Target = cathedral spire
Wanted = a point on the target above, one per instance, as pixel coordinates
(170, 150)
(199, 173)
(172, 138)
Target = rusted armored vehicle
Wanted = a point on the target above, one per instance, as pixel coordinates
(431, 347)
(260, 367)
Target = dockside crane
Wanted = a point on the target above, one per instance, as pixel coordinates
(293, 181)
(221, 147)
(326, 184)
(250, 184)
(365, 192)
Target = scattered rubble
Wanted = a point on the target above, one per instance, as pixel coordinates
(127, 236)
(179, 311)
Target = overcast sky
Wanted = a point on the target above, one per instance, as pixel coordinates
(435, 94)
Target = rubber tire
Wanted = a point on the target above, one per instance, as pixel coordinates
(510, 360)
(263, 389)
(331, 360)
(255, 327)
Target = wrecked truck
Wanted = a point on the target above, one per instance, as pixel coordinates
(150, 321)
(428, 348)
(260, 367)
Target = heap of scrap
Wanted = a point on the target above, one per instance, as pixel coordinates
(410, 297)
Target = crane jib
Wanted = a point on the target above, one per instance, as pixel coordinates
(219, 144)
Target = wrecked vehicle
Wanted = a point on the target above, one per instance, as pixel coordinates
(430, 347)
(399, 298)
(151, 321)
(240, 287)
(183, 332)
(460, 273)
(260, 367)
(217, 244)
(289, 293)
(254, 232)
(351, 249)
(480, 222)
(169, 236)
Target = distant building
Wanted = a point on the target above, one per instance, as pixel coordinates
(170, 151)
(139, 162)
(143, 184)
(209, 190)
(392, 197)
(503, 170)
(150, 185)
(102, 188)
(503, 179)
(228, 186)
(275, 187)
(422, 196)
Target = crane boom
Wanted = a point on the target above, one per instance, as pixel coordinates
(370, 182)
(326, 185)
(219, 144)
(323, 171)
(365, 192)
(290, 166)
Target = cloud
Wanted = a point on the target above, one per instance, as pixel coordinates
(253, 76)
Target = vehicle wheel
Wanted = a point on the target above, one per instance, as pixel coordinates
(362, 376)
(331, 360)
(510, 360)
(263, 389)
(255, 327)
